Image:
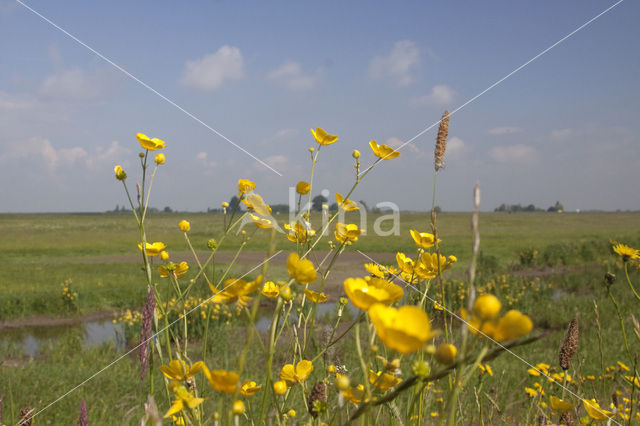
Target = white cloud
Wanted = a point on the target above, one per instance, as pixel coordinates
(455, 147)
(278, 162)
(506, 130)
(396, 143)
(203, 159)
(560, 135)
(73, 84)
(397, 65)
(519, 153)
(281, 136)
(11, 102)
(440, 95)
(213, 69)
(103, 158)
(291, 76)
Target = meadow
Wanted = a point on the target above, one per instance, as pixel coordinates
(547, 265)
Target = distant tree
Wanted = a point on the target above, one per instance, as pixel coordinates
(234, 203)
(317, 202)
(530, 208)
(437, 209)
(167, 210)
(559, 207)
(279, 208)
(333, 207)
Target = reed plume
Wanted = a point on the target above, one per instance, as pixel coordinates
(441, 141)
(83, 417)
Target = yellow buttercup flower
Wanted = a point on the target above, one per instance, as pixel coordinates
(405, 330)
(298, 374)
(374, 269)
(315, 297)
(427, 267)
(298, 233)
(180, 370)
(560, 405)
(363, 294)
(159, 159)
(302, 270)
(153, 249)
(184, 226)
(183, 397)
(148, 143)
(270, 290)
(280, 387)
(120, 174)
(382, 151)
(164, 255)
(224, 204)
(261, 222)
(531, 392)
(404, 263)
(245, 186)
(446, 354)
(354, 394)
(238, 407)
(512, 325)
(355, 154)
(180, 270)
(423, 239)
(347, 233)
(235, 290)
(626, 252)
(322, 137)
(595, 412)
(249, 388)
(345, 204)
(486, 307)
(255, 203)
(383, 381)
(222, 380)
(303, 187)
(291, 413)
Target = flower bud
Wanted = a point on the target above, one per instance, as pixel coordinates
(224, 204)
(311, 149)
(355, 154)
(291, 413)
(141, 155)
(342, 382)
(238, 407)
(446, 354)
(285, 293)
(120, 174)
(280, 387)
(212, 244)
(609, 278)
(421, 369)
(184, 226)
(159, 159)
(164, 255)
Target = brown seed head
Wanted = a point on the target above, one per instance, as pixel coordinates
(567, 419)
(83, 417)
(26, 416)
(569, 345)
(317, 397)
(441, 141)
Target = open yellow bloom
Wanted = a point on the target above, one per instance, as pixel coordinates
(270, 290)
(299, 374)
(348, 232)
(626, 252)
(120, 174)
(383, 151)
(298, 233)
(222, 380)
(446, 353)
(374, 269)
(245, 186)
(486, 307)
(404, 263)
(153, 249)
(180, 270)
(164, 255)
(184, 226)
(364, 293)
(560, 405)
(235, 290)
(383, 381)
(354, 394)
(183, 397)
(302, 270)
(595, 412)
(322, 137)
(345, 204)
(303, 187)
(315, 296)
(405, 330)
(512, 325)
(261, 222)
(249, 388)
(159, 159)
(180, 370)
(148, 143)
(255, 203)
(423, 239)
(427, 267)
(280, 387)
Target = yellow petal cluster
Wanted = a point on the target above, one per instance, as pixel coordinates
(405, 330)
(345, 204)
(235, 290)
(148, 143)
(222, 380)
(120, 174)
(423, 239)
(298, 374)
(245, 186)
(446, 354)
(180, 370)
(270, 290)
(298, 233)
(184, 396)
(184, 225)
(560, 405)
(512, 325)
(315, 296)
(382, 151)
(322, 137)
(626, 252)
(159, 159)
(153, 249)
(302, 270)
(303, 187)
(363, 294)
(595, 412)
(180, 270)
(347, 233)
(383, 381)
(249, 388)
(486, 307)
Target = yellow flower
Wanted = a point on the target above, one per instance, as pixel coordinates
(342, 382)
(291, 413)
(235, 290)
(164, 255)
(180, 370)
(315, 297)
(623, 366)
(184, 226)
(354, 394)
(302, 270)
(355, 154)
(280, 387)
(159, 159)
(383, 381)
(345, 204)
(183, 396)
(486, 307)
(348, 232)
(245, 186)
(249, 388)
(153, 249)
(374, 269)
(595, 412)
(559, 405)
(303, 187)
(427, 267)
(120, 174)
(446, 354)
(150, 144)
(180, 270)
(322, 137)
(224, 204)
(512, 325)
(423, 239)
(404, 263)
(261, 222)
(222, 380)
(299, 374)
(238, 407)
(485, 369)
(298, 233)
(405, 330)
(626, 252)
(363, 293)
(270, 290)
(531, 392)
(382, 151)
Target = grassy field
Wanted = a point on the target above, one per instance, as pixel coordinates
(98, 254)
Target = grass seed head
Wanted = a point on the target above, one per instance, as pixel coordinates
(441, 140)
(569, 344)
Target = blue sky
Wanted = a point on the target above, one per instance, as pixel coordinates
(262, 73)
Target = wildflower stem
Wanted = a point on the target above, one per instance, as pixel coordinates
(133, 209)
(626, 273)
(363, 365)
(624, 333)
(271, 351)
